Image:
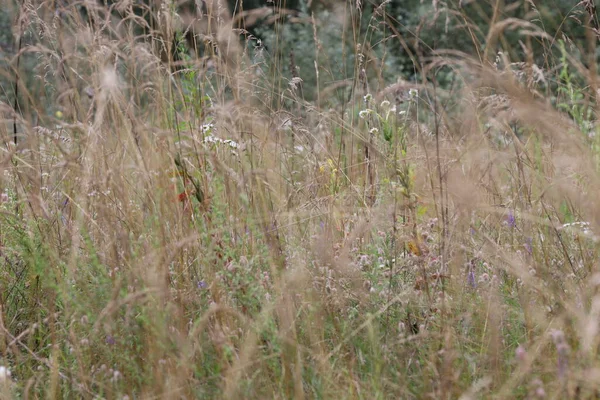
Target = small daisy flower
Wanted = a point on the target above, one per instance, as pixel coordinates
(207, 127)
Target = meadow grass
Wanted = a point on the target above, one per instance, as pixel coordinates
(213, 228)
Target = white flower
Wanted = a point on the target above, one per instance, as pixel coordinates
(231, 143)
(374, 131)
(207, 127)
(368, 97)
(413, 93)
(212, 139)
(385, 104)
(364, 113)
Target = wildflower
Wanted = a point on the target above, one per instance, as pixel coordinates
(363, 114)
(471, 279)
(510, 220)
(110, 340)
(484, 278)
(413, 93)
(374, 131)
(212, 139)
(182, 197)
(540, 392)
(537, 389)
(207, 127)
(331, 165)
(364, 260)
(385, 104)
(368, 97)
(201, 285)
(116, 375)
(231, 143)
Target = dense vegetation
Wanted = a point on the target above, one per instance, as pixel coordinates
(343, 199)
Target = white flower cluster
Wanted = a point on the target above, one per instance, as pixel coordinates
(364, 113)
(213, 139)
(208, 128)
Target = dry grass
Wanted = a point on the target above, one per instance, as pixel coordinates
(205, 232)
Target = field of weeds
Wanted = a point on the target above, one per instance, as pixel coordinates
(216, 222)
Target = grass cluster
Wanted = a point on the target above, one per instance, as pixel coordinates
(198, 227)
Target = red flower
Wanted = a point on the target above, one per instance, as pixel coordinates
(183, 196)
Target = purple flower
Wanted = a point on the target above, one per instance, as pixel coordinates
(110, 340)
(510, 219)
(521, 354)
(471, 279)
(202, 285)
